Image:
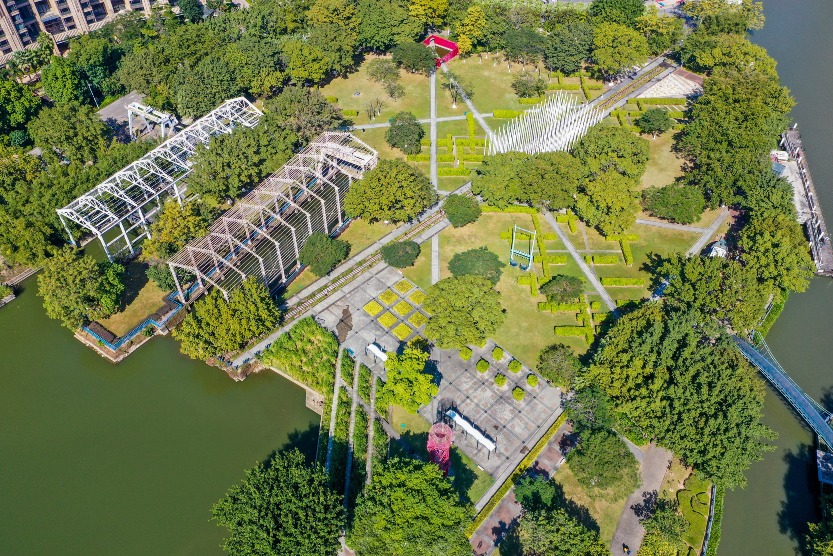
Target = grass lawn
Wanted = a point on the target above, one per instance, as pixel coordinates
(451, 183)
(416, 99)
(664, 166)
(142, 297)
(420, 272)
(604, 510)
(470, 481)
(304, 279)
(375, 137)
(491, 83)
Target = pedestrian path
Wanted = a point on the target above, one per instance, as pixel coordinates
(708, 233)
(670, 226)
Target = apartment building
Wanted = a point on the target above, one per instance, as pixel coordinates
(22, 20)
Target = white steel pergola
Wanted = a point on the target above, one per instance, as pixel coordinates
(127, 200)
(262, 235)
(554, 125)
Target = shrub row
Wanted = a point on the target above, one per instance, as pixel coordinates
(620, 237)
(532, 100)
(595, 305)
(474, 142)
(350, 113)
(625, 245)
(517, 209)
(331, 99)
(470, 157)
(445, 157)
(560, 307)
(550, 259)
(525, 464)
(576, 331)
(622, 281)
(676, 114)
(529, 280)
(601, 259)
(470, 121)
(421, 157)
(563, 87)
(425, 142)
(461, 171)
(506, 114)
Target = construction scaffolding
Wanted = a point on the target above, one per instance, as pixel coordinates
(118, 211)
(262, 235)
(554, 125)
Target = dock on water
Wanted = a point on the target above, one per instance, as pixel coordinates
(809, 210)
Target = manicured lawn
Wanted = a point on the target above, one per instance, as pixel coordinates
(491, 83)
(416, 98)
(304, 279)
(375, 137)
(469, 480)
(664, 166)
(605, 510)
(141, 298)
(694, 502)
(420, 272)
(451, 183)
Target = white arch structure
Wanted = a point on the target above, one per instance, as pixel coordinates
(126, 200)
(554, 125)
(263, 233)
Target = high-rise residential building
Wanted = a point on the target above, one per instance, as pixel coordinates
(22, 20)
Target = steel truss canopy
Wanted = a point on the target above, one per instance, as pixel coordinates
(263, 233)
(127, 200)
(554, 125)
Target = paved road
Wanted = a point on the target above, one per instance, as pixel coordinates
(671, 226)
(591, 277)
(629, 531)
(708, 233)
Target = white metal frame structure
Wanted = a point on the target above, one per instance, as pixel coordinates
(262, 235)
(554, 125)
(126, 201)
(145, 113)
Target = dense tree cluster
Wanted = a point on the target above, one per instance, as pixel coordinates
(306, 352)
(408, 384)
(464, 310)
(477, 262)
(394, 191)
(323, 253)
(558, 365)
(679, 203)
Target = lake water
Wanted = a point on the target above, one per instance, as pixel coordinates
(769, 516)
(124, 459)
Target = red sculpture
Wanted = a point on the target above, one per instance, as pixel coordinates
(439, 446)
(451, 46)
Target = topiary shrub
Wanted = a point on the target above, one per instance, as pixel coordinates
(322, 253)
(500, 380)
(532, 380)
(497, 353)
(482, 366)
(465, 353)
(461, 210)
(400, 254)
(518, 393)
(515, 366)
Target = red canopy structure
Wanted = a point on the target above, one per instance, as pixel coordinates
(444, 44)
(439, 446)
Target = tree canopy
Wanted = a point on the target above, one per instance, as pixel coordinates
(654, 121)
(400, 254)
(464, 310)
(394, 191)
(568, 46)
(776, 249)
(477, 262)
(562, 288)
(18, 105)
(622, 12)
(405, 133)
(323, 253)
(415, 57)
(461, 210)
(558, 365)
(408, 384)
(608, 202)
(282, 508)
(305, 112)
(607, 147)
(307, 352)
(617, 48)
(73, 130)
(602, 462)
(679, 203)
(175, 225)
(409, 509)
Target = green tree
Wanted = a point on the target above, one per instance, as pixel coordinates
(305, 112)
(470, 29)
(679, 203)
(621, 12)
(524, 46)
(654, 121)
(408, 385)
(767, 195)
(305, 63)
(63, 83)
(18, 105)
(606, 147)
(307, 352)
(30, 60)
(617, 48)
(97, 59)
(216, 326)
(175, 225)
(556, 533)
(558, 365)
(393, 191)
(464, 310)
(477, 262)
(382, 70)
(191, 9)
(282, 508)
(562, 288)
(752, 11)
(549, 180)
(429, 13)
(568, 46)
(608, 202)
(777, 250)
(400, 254)
(334, 28)
(219, 171)
(602, 461)
(528, 85)
(409, 509)
(589, 409)
(386, 23)
(160, 274)
(461, 210)
(666, 522)
(72, 129)
(405, 133)
(76, 289)
(661, 32)
(678, 377)
(200, 88)
(820, 536)
(706, 53)
(415, 57)
(323, 253)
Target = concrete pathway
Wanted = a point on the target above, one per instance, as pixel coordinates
(368, 466)
(629, 531)
(435, 259)
(333, 411)
(505, 516)
(422, 121)
(670, 226)
(351, 429)
(477, 115)
(708, 233)
(591, 277)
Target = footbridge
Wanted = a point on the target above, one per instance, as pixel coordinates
(811, 411)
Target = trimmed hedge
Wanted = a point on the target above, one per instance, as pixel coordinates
(459, 171)
(601, 259)
(518, 393)
(519, 209)
(563, 87)
(595, 305)
(331, 99)
(425, 142)
(470, 157)
(532, 100)
(560, 307)
(506, 114)
(422, 157)
(465, 353)
(473, 142)
(470, 121)
(449, 157)
(660, 101)
(500, 380)
(514, 366)
(625, 282)
(576, 332)
(482, 366)
(532, 380)
(550, 259)
(530, 280)
(497, 353)
(519, 471)
(626, 252)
